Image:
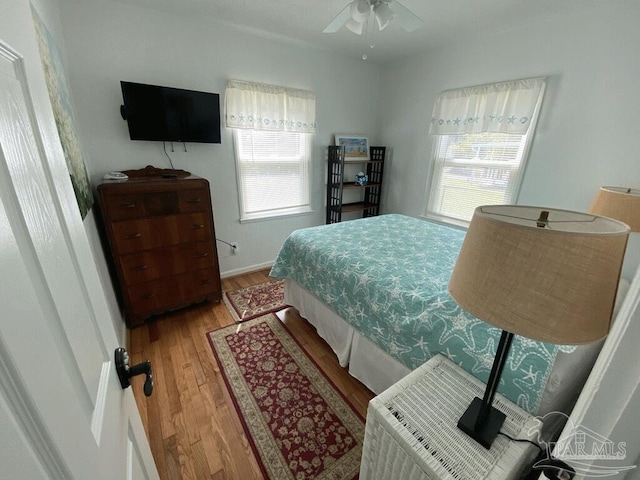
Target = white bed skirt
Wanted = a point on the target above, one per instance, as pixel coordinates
(366, 362)
(378, 371)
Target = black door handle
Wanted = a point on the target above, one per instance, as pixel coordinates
(125, 372)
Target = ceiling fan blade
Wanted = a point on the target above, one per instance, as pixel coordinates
(340, 19)
(405, 18)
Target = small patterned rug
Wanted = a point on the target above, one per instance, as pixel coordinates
(251, 302)
(298, 424)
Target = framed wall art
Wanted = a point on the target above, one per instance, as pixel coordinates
(64, 115)
(356, 147)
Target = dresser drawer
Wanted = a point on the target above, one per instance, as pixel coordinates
(119, 207)
(165, 261)
(153, 297)
(172, 292)
(196, 200)
(154, 232)
(137, 205)
(204, 283)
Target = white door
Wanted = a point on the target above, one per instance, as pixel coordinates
(63, 413)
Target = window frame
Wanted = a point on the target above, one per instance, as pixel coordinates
(302, 209)
(517, 184)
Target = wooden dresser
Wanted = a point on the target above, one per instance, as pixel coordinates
(161, 235)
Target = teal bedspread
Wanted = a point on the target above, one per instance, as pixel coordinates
(387, 276)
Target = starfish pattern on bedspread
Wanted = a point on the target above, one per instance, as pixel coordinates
(380, 274)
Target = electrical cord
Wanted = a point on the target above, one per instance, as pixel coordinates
(223, 241)
(552, 468)
(523, 440)
(164, 146)
(234, 246)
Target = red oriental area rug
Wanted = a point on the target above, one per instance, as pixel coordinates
(298, 424)
(251, 302)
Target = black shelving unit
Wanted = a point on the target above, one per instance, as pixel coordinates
(369, 204)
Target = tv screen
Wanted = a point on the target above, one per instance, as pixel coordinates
(170, 114)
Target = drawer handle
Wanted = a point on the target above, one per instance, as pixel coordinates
(147, 296)
(195, 226)
(128, 205)
(133, 235)
(140, 267)
(194, 200)
(200, 255)
(204, 282)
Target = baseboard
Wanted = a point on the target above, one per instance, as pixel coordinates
(240, 271)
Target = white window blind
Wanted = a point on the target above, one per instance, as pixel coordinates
(272, 173)
(272, 136)
(472, 170)
(480, 160)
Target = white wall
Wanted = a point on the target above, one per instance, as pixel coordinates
(107, 42)
(587, 135)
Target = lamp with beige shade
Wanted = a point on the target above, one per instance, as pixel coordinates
(546, 274)
(621, 203)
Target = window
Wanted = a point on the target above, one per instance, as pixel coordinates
(480, 149)
(474, 169)
(273, 172)
(273, 128)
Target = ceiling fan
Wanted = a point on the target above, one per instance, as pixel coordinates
(355, 15)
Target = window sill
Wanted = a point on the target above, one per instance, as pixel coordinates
(448, 221)
(275, 216)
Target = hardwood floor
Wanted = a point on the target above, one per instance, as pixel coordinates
(190, 420)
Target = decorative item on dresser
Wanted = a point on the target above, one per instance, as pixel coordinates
(159, 226)
(368, 183)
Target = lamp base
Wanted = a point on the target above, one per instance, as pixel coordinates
(482, 432)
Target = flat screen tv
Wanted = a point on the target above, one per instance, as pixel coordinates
(170, 114)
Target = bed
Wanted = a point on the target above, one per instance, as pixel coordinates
(376, 290)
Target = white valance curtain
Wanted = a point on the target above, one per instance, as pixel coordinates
(268, 107)
(506, 107)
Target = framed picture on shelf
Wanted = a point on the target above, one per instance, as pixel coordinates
(356, 147)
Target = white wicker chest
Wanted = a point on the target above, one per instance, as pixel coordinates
(411, 431)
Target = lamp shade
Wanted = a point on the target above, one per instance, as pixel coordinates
(546, 274)
(620, 203)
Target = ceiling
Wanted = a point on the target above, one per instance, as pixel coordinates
(302, 21)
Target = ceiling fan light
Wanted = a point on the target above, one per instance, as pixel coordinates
(355, 27)
(360, 10)
(384, 15)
